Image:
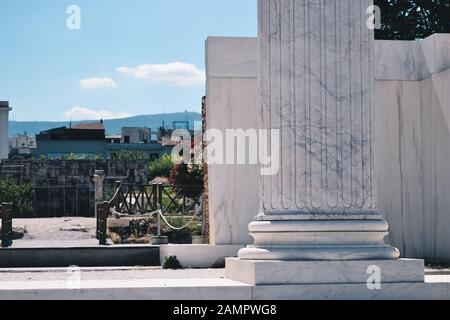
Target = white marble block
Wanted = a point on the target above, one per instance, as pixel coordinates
(323, 272)
(232, 88)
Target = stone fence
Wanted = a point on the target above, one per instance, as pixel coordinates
(65, 188)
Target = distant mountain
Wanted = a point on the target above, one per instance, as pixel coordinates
(112, 126)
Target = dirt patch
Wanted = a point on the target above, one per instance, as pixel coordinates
(64, 229)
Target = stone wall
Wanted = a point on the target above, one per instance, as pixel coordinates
(65, 188)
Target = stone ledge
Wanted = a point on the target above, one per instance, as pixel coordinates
(217, 289)
(322, 272)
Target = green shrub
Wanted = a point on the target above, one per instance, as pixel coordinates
(20, 194)
(129, 155)
(160, 167)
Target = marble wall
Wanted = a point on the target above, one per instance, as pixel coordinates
(412, 91)
(232, 104)
(413, 168)
(412, 60)
(412, 122)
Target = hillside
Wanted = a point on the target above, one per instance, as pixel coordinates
(112, 126)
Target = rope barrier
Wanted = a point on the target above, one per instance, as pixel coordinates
(159, 212)
(177, 228)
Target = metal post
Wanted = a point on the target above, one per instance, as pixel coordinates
(102, 222)
(159, 239)
(98, 178)
(6, 217)
(155, 196)
(117, 186)
(159, 222)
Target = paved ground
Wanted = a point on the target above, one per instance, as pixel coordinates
(136, 273)
(205, 284)
(88, 274)
(56, 229)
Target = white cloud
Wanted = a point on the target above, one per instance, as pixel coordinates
(175, 73)
(95, 83)
(81, 113)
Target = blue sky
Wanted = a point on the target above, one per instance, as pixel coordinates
(121, 62)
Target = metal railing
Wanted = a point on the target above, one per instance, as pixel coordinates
(141, 199)
(164, 201)
(7, 229)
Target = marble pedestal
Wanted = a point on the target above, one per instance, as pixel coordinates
(321, 249)
(273, 272)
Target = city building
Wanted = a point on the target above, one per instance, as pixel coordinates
(136, 140)
(88, 141)
(82, 141)
(22, 146)
(136, 135)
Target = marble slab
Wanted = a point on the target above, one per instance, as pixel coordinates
(322, 272)
(231, 103)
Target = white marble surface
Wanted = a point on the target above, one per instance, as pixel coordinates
(231, 57)
(389, 291)
(412, 163)
(232, 104)
(412, 60)
(316, 75)
(322, 272)
(397, 60)
(412, 122)
(436, 287)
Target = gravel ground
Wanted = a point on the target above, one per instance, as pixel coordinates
(12, 275)
(64, 229)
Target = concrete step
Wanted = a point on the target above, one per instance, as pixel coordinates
(81, 256)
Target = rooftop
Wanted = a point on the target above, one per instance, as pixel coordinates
(89, 126)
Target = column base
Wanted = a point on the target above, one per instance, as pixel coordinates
(306, 239)
(275, 272)
(320, 253)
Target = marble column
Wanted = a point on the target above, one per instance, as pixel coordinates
(317, 87)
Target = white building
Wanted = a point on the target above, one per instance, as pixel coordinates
(136, 135)
(4, 123)
(22, 145)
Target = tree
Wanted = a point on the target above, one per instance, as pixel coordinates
(189, 175)
(411, 19)
(20, 194)
(69, 157)
(130, 155)
(160, 167)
